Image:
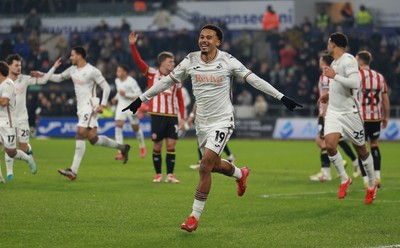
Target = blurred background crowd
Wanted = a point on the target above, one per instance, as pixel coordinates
(288, 59)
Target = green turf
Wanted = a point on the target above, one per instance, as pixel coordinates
(115, 205)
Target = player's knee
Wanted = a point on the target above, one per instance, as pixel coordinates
(11, 153)
(93, 140)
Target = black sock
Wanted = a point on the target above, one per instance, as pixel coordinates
(347, 149)
(170, 159)
(325, 162)
(227, 151)
(157, 162)
(376, 155)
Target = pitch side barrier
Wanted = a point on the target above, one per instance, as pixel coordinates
(253, 128)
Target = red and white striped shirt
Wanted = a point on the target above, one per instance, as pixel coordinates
(323, 88)
(373, 84)
(168, 102)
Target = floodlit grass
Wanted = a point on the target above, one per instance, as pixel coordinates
(115, 205)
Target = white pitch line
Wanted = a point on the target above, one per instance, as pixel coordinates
(304, 194)
(387, 246)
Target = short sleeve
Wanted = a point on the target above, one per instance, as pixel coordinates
(8, 90)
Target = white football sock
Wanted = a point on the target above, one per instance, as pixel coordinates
(369, 170)
(237, 173)
(140, 137)
(80, 147)
(378, 174)
(105, 141)
(198, 207)
(119, 137)
(9, 164)
(326, 171)
(337, 161)
(21, 156)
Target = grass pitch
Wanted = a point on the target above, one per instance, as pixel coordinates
(115, 205)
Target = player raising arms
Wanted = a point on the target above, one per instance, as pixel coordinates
(374, 99)
(8, 135)
(163, 110)
(127, 90)
(211, 70)
(21, 83)
(343, 113)
(85, 78)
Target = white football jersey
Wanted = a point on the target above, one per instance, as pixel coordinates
(7, 113)
(131, 89)
(341, 98)
(211, 85)
(85, 80)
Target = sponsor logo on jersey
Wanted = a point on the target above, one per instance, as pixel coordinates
(208, 79)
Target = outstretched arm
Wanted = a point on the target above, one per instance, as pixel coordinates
(42, 78)
(143, 67)
(160, 86)
(267, 88)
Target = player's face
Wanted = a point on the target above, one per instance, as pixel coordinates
(15, 67)
(121, 73)
(74, 57)
(208, 41)
(168, 64)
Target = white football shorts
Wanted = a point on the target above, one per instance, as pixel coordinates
(8, 136)
(87, 118)
(214, 139)
(23, 131)
(127, 115)
(351, 124)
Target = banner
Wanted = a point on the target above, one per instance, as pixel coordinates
(307, 128)
(66, 127)
(253, 128)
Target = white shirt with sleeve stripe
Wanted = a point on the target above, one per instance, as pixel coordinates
(344, 87)
(7, 113)
(212, 86)
(131, 89)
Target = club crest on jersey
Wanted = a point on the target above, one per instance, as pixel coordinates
(208, 79)
(196, 67)
(219, 66)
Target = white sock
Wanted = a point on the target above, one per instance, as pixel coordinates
(198, 207)
(9, 164)
(326, 171)
(365, 180)
(369, 170)
(140, 138)
(378, 174)
(21, 156)
(119, 137)
(107, 142)
(80, 147)
(355, 163)
(337, 161)
(237, 173)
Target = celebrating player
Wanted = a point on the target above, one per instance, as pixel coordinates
(211, 70)
(343, 113)
(8, 135)
(85, 78)
(127, 90)
(21, 83)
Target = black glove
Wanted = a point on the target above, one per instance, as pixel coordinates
(290, 103)
(134, 106)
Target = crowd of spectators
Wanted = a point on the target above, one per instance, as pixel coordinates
(289, 59)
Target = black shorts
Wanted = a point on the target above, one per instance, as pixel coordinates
(164, 127)
(372, 130)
